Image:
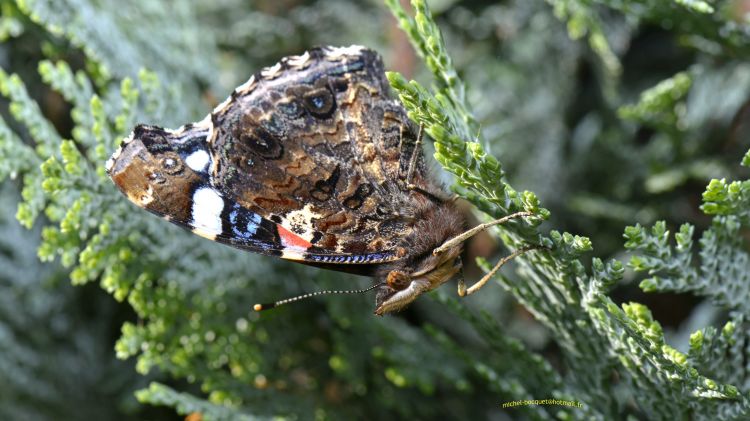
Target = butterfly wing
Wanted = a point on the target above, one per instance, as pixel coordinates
(306, 161)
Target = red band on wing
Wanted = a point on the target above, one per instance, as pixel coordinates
(290, 239)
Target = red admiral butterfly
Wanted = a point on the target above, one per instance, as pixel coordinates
(310, 160)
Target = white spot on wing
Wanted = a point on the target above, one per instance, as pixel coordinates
(299, 61)
(208, 124)
(336, 53)
(198, 160)
(205, 123)
(223, 105)
(247, 86)
(300, 222)
(128, 139)
(207, 207)
(271, 72)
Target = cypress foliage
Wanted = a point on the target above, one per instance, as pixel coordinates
(616, 114)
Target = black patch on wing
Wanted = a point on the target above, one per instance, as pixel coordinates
(245, 229)
(261, 143)
(324, 189)
(154, 138)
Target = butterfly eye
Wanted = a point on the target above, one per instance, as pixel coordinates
(320, 103)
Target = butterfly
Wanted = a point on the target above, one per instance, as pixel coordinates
(312, 161)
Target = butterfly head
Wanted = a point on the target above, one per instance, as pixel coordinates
(402, 288)
(420, 270)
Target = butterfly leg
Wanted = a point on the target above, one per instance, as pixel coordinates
(463, 291)
(413, 167)
(472, 232)
(453, 242)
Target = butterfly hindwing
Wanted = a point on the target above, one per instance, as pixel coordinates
(317, 145)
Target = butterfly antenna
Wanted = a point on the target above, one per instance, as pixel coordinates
(261, 307)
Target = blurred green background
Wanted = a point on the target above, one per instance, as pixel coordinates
(554, 107)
